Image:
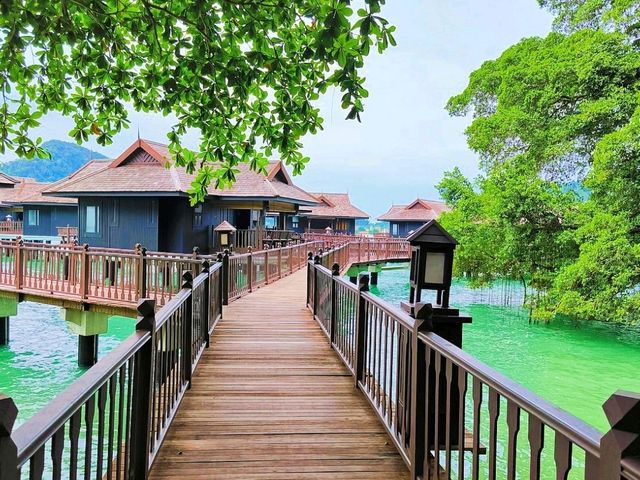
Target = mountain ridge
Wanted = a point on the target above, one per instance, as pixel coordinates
(66, 158)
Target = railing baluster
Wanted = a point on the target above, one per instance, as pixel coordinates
(102, 400)
(36, 464)
(562, 456)
(513, 426)
(536, 444)
(111, 431)
(89, 411)
(494, 413)
(462, 395)
(57, 447)
(436, 417)
(477, 403)
(74, 434)
(448, 369)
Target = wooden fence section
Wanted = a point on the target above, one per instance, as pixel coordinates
(12, 227)
(427, 392)
(111, 422)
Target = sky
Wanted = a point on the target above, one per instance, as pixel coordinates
(406, 140)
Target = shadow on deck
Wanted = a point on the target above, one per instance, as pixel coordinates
(271, 399)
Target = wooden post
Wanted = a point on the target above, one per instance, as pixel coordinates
(8, 449)
(195, 252)
(335, 272)
(266, 266)
(316, 262)
(18, 263)
(418, 435)
(142, 270)
(309, 273)
(187, 325)
(85, 271)
(623, 440)
(206, 301)
(250, 269)
(361, 328)
(220, 259)
(280, 262)
(225, 277)
(142, 388)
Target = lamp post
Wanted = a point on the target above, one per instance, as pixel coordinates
(432, 250)
(225, 233)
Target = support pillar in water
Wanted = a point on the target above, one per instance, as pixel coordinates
(373, 273)
(4, 331)
(8, 308)
(88, 326)
(87, 350)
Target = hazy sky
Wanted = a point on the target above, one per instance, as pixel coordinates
(406, 139)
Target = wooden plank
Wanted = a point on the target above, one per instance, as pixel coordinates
(270, 399)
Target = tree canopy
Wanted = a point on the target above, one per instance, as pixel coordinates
(554, 117)
(244, 73)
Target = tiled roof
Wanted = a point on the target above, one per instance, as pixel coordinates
(418, 211)
(7, 180)
(21, 190)
(37, 197)
(144, 167)
(334, 205)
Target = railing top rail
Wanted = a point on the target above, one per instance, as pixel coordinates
(631, 468)
(347, 285)
(169, 308)
(35, 432)
(576, 430)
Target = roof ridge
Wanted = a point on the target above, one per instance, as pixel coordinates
(72, 180)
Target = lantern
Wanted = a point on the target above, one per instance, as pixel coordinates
(225, 233)
(431, 262)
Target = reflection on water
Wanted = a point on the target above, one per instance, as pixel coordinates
(41, 358)
(574, 365)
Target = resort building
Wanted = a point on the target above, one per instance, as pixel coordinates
(26, 213)
(404, 219)
(334, 211)
(141, 197)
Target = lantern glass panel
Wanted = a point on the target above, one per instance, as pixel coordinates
(224, 239)
(434, 268)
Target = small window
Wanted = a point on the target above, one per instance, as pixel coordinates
(33, 217)
(92, 219)
(114, 213)
(295, 221)
(153, 220)
(197, 215)
(394, 229)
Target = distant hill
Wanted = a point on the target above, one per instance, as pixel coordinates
(65, 158)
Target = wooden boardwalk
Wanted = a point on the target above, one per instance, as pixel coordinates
(270, 399)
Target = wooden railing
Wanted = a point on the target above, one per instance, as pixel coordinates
(13, 227)
(426, 392)
(251, 270)
(261, 238)
(67, 234)
(111, 422)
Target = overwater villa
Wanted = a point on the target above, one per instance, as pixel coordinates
(140, 197)
(334, 211)
(405, 219)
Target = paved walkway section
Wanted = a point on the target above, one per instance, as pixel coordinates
(271, 400)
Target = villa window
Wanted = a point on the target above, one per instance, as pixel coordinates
(295, 221)
(92, 219)
(33, 217)
(197, 215)
(395, 231)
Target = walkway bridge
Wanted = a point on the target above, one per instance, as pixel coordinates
(342, 385)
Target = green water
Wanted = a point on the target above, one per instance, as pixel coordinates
(576, 366)
(41, 358)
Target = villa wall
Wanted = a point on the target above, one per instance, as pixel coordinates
(50, 217)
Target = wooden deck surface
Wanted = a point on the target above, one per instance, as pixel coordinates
(270, 399)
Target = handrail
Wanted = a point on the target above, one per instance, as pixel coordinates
(421, 387)
(579, 432)
(30, 436)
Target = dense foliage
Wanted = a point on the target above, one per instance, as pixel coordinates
(64, 158)
(244, 73)
(548, 114)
